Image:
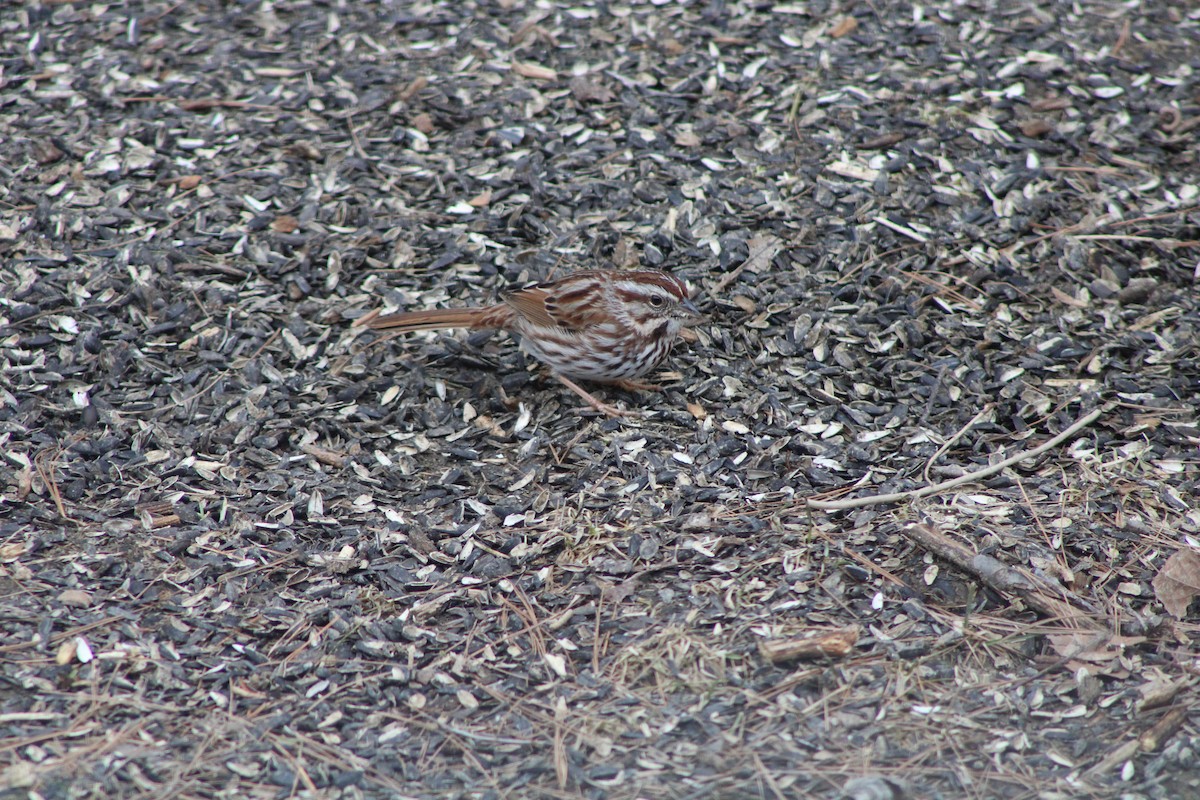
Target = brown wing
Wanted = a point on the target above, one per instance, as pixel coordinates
(573, 303)
(531, 304)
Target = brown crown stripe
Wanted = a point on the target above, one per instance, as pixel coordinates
(668, 282)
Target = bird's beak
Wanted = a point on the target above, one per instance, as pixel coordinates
(692, 314)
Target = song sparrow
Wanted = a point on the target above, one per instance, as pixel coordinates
(607, 326)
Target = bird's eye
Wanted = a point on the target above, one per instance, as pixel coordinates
(657, 301)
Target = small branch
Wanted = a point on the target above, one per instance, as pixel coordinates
(823, 644)
(1137, 220)
(1174, 244)
(897, 497)
(997, 575)
(1149, 741)
(1164, 729)
(958, 435)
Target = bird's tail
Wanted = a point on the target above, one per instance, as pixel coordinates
(430, 320)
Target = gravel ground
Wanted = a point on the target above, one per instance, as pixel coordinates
(251, 550)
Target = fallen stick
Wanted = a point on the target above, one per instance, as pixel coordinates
(822, 644)
(992, 469)
(997, 575)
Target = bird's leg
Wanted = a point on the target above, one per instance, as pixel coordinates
(634, 386)
(592, 401)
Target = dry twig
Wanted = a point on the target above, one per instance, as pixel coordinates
(897, 497)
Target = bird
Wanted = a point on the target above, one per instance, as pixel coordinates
(605, 326)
